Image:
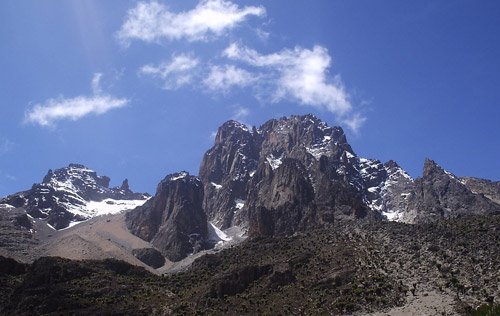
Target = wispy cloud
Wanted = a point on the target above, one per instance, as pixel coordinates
(52, 110)
(175, 73)
(299, 74)
(153, 22)
(354, 122)
(262, 35)
(241, 113)
(223, 78)
(96, 83)
(5, 146)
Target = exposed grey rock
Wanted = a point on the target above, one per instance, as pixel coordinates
(248, 184)
(246, 178)
(225, 171)
(490, 189)
(440, 194)
(173, 220)
(291, 174)
(15, 230)
(63, 195)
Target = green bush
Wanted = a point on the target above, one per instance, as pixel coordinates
(486, 310)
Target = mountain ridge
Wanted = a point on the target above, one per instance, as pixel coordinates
(289, 175)
(296, 173)
(73, 194)
(283, 218)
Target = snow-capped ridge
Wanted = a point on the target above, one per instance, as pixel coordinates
(73, 194)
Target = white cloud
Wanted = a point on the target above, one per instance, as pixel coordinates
(5, 146)
(222, 78)
(152, 21)
(299, 74)
(241, 113)
(96, 83)
(52, 110)
(212, 136)
(176, 72)
(262, 35)
(354, 122)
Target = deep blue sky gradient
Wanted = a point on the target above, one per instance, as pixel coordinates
(426, 74)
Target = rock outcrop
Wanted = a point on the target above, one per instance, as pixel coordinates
(289, 175)
(225, 171)
(440, 194)
(490, 189)
(173, 220)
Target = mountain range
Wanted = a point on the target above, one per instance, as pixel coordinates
(290, 176)
(295, 174)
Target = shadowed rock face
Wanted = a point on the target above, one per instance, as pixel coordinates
(289, 174)
(280, 201)
(173, 220)
(225, 171)
(149, 256)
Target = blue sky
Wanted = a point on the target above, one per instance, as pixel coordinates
(136, 89)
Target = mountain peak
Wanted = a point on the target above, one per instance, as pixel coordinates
(178, 176)
(432, 169)
(232, 124)
(77, 166)
(77, 175)
(74, 193)
(391, 164)
(231, 130)
(305, 130)
(125, 186)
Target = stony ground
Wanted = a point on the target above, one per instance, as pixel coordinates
(362, 268)
(449, 266)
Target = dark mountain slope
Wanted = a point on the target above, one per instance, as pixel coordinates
(173, 220)
(355, 268)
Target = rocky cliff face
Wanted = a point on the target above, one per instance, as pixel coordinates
(490, 189)
(292, 173)
(296, 173)
(440, 194)
(173, 220)
(225, 171)
(72, 194)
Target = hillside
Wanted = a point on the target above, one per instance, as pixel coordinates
(447, 267)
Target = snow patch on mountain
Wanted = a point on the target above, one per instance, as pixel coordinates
(239, 204)
(217, 236)
(274, 162)
(321, 148)
(216, 186)
(110, 206)
(178, 176)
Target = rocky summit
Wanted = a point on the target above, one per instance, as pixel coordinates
(73, 194)
(295, 174)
